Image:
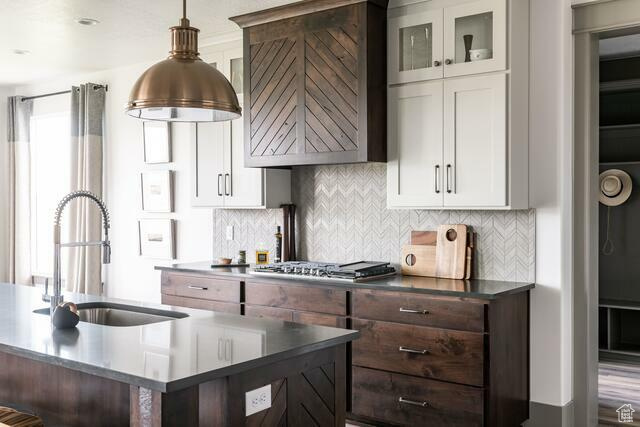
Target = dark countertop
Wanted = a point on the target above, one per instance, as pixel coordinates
(474, 288)
(164, 356)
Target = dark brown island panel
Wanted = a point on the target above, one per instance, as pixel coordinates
(174, 372)
(315, 83)
(303, 388)
(431, 351)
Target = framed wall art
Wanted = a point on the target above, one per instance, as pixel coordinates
(157, 191)
(156, 138)
(157, 238)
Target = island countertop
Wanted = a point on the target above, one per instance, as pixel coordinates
(164, 356)
(473, 288)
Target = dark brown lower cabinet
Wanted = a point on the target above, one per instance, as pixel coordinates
(202, 304)
(412, 401)
(408, 374)
(306, 317)
(421, 360)
(444, 354)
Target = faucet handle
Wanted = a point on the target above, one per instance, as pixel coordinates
(45, 295)
(106, 252)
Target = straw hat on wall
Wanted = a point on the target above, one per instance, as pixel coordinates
(615, 187)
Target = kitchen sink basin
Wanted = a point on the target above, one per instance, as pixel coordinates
(110, 314)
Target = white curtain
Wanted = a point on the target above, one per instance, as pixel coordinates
(19, 189)
(84, 271)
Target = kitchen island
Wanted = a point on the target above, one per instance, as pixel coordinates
(192, 368)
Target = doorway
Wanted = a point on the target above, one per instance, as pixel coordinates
(605, 324)
(619, 230)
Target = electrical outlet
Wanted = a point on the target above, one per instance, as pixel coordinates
(258, 400)
(229, 232)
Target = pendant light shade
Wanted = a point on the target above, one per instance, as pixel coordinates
(183, 88)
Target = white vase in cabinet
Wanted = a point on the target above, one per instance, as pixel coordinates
(217, 162)
(447, 144)
(427, 41)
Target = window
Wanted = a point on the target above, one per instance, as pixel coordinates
(50, 176)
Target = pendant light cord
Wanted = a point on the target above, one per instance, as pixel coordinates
(184, 9)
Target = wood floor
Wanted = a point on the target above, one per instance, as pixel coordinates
(618, 384)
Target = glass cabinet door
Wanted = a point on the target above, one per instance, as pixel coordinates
(475, 37)
(415, 47)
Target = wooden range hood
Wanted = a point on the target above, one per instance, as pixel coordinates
(315, 83)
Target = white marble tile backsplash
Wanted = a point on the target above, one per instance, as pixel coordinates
(342, 216)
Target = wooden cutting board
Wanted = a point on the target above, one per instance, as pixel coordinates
(423, 237)
(419, 260)
(451, 251)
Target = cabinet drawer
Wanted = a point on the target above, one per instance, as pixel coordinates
(202, 287)
(268, 312)
(305, 298)
(419, 310)
(377, 394)
(295, 316)
(319, 319)
(442, 354)
(201, 304)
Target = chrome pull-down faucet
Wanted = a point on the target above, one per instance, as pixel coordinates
(57, 296)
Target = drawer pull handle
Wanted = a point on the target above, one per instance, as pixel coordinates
(411, 350)
(408, 310)
(199, 288)
(413, 402)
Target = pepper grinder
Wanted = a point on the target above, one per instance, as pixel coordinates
(277, 257)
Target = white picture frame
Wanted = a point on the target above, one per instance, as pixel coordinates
(156, 141)
(157, 191)
(157, 238)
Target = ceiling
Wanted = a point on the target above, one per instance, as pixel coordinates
(129, 31)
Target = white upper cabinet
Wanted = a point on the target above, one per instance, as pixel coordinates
(207, 165)
(414, 156)
(475, 145)
(475, 38)
(220, 179)
(458, 134)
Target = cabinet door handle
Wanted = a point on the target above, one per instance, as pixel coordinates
(228, 350)
(197, 288)
(409, 310)
(437, 63)
(448, 178)
(220, 349)
(219, 186)
(437, 172)
(448, 61)
(227, 184)
(412, 402)
(412, 351)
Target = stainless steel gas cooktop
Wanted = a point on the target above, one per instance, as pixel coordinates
(346, 273)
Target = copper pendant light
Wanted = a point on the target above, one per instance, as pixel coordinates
(183, 88)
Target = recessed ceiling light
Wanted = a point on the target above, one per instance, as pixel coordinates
(87, 21)
(21, 51)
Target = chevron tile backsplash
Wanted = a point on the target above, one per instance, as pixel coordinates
(342, 216)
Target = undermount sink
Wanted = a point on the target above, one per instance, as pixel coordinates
(110, 314)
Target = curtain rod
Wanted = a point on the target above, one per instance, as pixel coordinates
(44, 95)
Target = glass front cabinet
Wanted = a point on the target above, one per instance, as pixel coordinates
(462, 39)
(457, 114)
